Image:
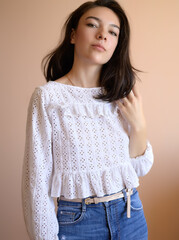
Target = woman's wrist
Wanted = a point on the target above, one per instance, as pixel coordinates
(137, 141)
(138, 128)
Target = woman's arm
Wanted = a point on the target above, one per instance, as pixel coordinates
(132, 111)
(38, 205)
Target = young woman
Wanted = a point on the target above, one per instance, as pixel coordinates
(86, 135)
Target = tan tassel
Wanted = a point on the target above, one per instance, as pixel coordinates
(129, 204)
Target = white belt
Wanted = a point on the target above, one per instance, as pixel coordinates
(97, 200)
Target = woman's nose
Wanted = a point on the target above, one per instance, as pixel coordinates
(101, 35)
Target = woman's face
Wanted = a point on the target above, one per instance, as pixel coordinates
(96, 36)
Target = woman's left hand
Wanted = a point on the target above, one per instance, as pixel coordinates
(131, 109)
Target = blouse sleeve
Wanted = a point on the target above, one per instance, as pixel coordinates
(38, 205)
(142, 164)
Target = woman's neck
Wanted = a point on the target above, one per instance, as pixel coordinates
(85, 76)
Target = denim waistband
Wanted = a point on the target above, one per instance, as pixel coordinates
(125, 194)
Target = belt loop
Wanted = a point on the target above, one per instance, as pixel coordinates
(83, 205)
(58, 199)
(125, 195)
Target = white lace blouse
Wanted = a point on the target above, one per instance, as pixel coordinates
(76, 147)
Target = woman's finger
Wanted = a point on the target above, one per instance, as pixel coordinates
(130, 96)
(125, 101)
(135, 90)
(120, 103)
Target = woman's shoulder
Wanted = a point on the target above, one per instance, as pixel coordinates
(53, 91)
(56, 84)
(52, 86)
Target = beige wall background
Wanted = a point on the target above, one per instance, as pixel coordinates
(29, 29)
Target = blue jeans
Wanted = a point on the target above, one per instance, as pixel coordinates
(102, 221)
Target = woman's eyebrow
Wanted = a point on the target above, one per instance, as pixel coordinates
(99, 20)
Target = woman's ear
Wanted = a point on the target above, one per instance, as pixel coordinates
(72, 36)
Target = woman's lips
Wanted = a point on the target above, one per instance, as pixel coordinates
(99, 47)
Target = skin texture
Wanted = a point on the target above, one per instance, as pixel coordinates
(95, 40)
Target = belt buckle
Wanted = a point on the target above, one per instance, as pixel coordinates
(87, 202)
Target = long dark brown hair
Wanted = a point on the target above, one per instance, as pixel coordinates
(117, 76)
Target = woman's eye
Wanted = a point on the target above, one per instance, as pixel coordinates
(92, 25)
(113, 33)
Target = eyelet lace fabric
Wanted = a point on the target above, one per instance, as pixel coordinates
(76, 147)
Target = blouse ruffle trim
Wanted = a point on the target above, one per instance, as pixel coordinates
(83, 184)
(90, 110)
